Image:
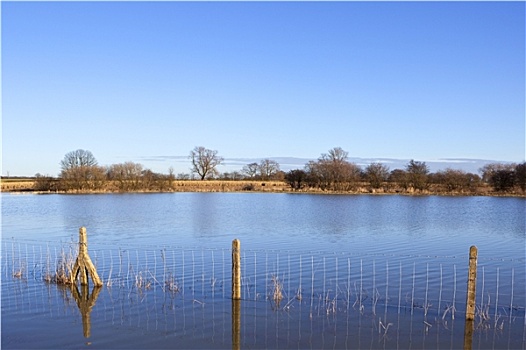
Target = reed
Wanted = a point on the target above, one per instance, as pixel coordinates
(18, 273)
(142, 283)
(298, 295)
(63, 269)
(384, 327)
(171, 284)
(331, 304)
(276, 290)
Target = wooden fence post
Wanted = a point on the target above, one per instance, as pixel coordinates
(236, 294)
(236, 269)
(470, 299)
(472, 283)
(83, 264)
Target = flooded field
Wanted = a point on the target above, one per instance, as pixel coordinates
(360, 273)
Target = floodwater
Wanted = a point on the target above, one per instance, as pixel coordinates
(353, 271)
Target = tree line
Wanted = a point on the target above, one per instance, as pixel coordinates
(332, 171)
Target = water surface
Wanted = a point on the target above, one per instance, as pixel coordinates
(356, 271)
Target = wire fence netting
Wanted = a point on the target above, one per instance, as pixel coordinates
(432, 289)
(428, 284)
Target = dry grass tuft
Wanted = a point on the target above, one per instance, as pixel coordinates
(277, 290)
(63, 269)
(299, 296)
(19, 271)
(171, 284)
(141, 282)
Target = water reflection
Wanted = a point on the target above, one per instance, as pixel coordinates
(204, 211)
(85, 302)
(156, 319)
(404, 224)
(469, 327)
(236, 324)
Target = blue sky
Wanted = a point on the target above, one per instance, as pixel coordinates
(145, 81)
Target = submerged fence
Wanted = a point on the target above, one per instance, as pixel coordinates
(430, 289)
(428, 284)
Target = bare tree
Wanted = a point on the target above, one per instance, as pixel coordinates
(399, 177)
(79, 171)
(234, 175)
(77, 159)
(520, 175)
(45, 183)
(417, 174)
(204, 162)
(337, 155)
(502, 180)
(250, 170)
(455, 179)
(333, 171)
(170, 178)
(150, 180)
(488, 171)
(268, 168)
(376, 174)
(128, 175)
(296, 178)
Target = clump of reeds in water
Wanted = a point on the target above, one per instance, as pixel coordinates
(299, 296)
(63, 270)
(484, 318)
(171, 284)
(277, 290)
(142, 282)
(19, 264)
(19, 272)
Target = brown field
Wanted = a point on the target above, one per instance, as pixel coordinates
(23, 185)
(229, 186)
(16, 185)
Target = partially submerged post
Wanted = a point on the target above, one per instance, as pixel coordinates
(472, 283)
(236, 294)
(470, 300)
(83, 264)
(236, 269)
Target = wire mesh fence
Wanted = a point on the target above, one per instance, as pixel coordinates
(288, 298)
(325, 282)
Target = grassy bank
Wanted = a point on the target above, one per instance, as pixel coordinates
(30, 185)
